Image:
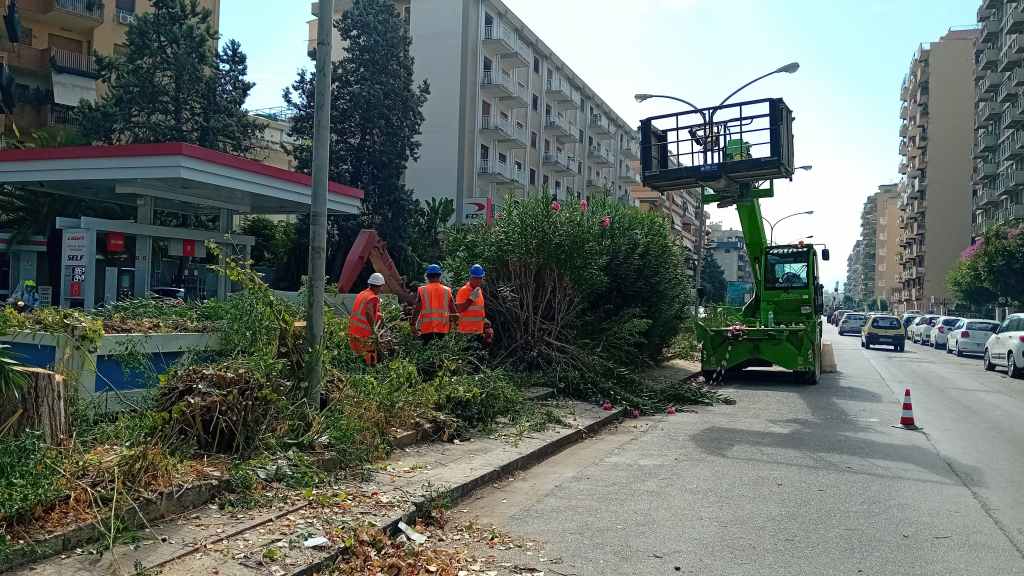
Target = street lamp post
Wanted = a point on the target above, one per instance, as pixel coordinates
(772, 225)
(708, 120)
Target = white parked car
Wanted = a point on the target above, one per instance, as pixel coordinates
(921, 329)
(1004, 348)
(941, 329)
(969, 336)
(852, 323)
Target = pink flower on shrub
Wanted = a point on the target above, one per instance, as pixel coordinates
(606, 221)
(973, 249)
(584, 205)
(556, 206)
(1013, 233)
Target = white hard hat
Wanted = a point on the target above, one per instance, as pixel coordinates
(376, 279)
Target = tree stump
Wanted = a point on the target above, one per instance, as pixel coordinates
(40, 406)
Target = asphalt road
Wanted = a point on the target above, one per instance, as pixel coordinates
(792, 480)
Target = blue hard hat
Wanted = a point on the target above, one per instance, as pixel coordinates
(434, 270)
(476, 271)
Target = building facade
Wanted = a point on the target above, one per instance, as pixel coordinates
(506, 116)
(999, 140)
(868, 249)
(854, 287)
(730, 250)
(681, 207)
(887, 232)
(936, 145)
(53, 63)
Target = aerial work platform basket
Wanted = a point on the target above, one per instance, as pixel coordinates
(718, 147)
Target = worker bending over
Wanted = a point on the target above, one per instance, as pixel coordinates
(365, 323)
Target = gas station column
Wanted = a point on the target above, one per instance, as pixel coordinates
(225, 223)
(143, 248)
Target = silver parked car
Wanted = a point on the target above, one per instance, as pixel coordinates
(852, 323)
(969, 336)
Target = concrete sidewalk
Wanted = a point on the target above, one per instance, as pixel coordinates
(271, 539)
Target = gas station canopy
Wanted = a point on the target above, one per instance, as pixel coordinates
(178, 177)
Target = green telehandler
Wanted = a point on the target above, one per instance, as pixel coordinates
(733, 153)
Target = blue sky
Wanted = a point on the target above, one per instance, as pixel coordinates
(853, 55)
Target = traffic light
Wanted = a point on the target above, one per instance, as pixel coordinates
(7, 101)
(12, 23)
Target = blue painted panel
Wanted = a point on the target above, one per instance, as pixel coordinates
(36, 355)
(110, 375)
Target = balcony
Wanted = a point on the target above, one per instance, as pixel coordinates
(987, 170)
(517, 178)
(921, 119)
(988, 59)
(75, 15)
(905, 111)
(597, 185)
(560, 163)
(903, 167)
(904, 129)
(1016, 211)
(494, 171)
(920, 185)
(559, 127)
(990, 85)
(630, 149)
(1010, 61)
(520, 98)
(628, 176)
(503, 131)
(506, 44)
(1013, 116)
(497, 83)
(990, 30)
(987, 197)
(572, 102)
(76, 63)
(903, 147)
(1013, 22)
(1016, 78)
(1015, 179)
(599, 125)
(557, 89)
(598, 155)
(26, 58)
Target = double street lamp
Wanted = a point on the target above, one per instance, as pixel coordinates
(772, 225)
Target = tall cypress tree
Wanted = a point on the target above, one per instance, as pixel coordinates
(172, 85)
(713, 280)
(375, 117)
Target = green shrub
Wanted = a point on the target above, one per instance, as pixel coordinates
(28, 476)
(478, 400)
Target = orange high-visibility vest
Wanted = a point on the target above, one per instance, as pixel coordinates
(357, 324)
(471, 320)
(435, 299)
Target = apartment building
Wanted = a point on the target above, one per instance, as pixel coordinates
(936, 139)
(999, 142)
(854, 287)
(730, 250)
(868, 247)
(682, 208)
(887, 232)
(506, 116)
(53, 61)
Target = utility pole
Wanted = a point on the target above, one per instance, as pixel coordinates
(318, 207)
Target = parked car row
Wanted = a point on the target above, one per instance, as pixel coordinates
(1000, 344)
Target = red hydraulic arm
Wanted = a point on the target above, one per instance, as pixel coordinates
(369, 247)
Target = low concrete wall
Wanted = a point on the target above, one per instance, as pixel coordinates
(100, 374)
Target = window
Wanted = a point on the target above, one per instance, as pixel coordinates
(407, 15)
(536, 65)
(590, 141)
(485, 108)
(982, 326)
(533, 140)
(26, 36)
(786, 269)
(545, 180)
(547, 110)
(536, 103)
(519, 166)
(558, 186)
(581, 136)
(485, 152)
(547, 145)
(126, 6)
(533, 177)
(886, 322)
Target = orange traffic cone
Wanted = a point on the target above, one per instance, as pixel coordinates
(907, 417)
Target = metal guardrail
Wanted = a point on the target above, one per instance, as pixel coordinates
(90, 8)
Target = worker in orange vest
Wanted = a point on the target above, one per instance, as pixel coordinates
(434, 306)
(366, 318)
(469, 301)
